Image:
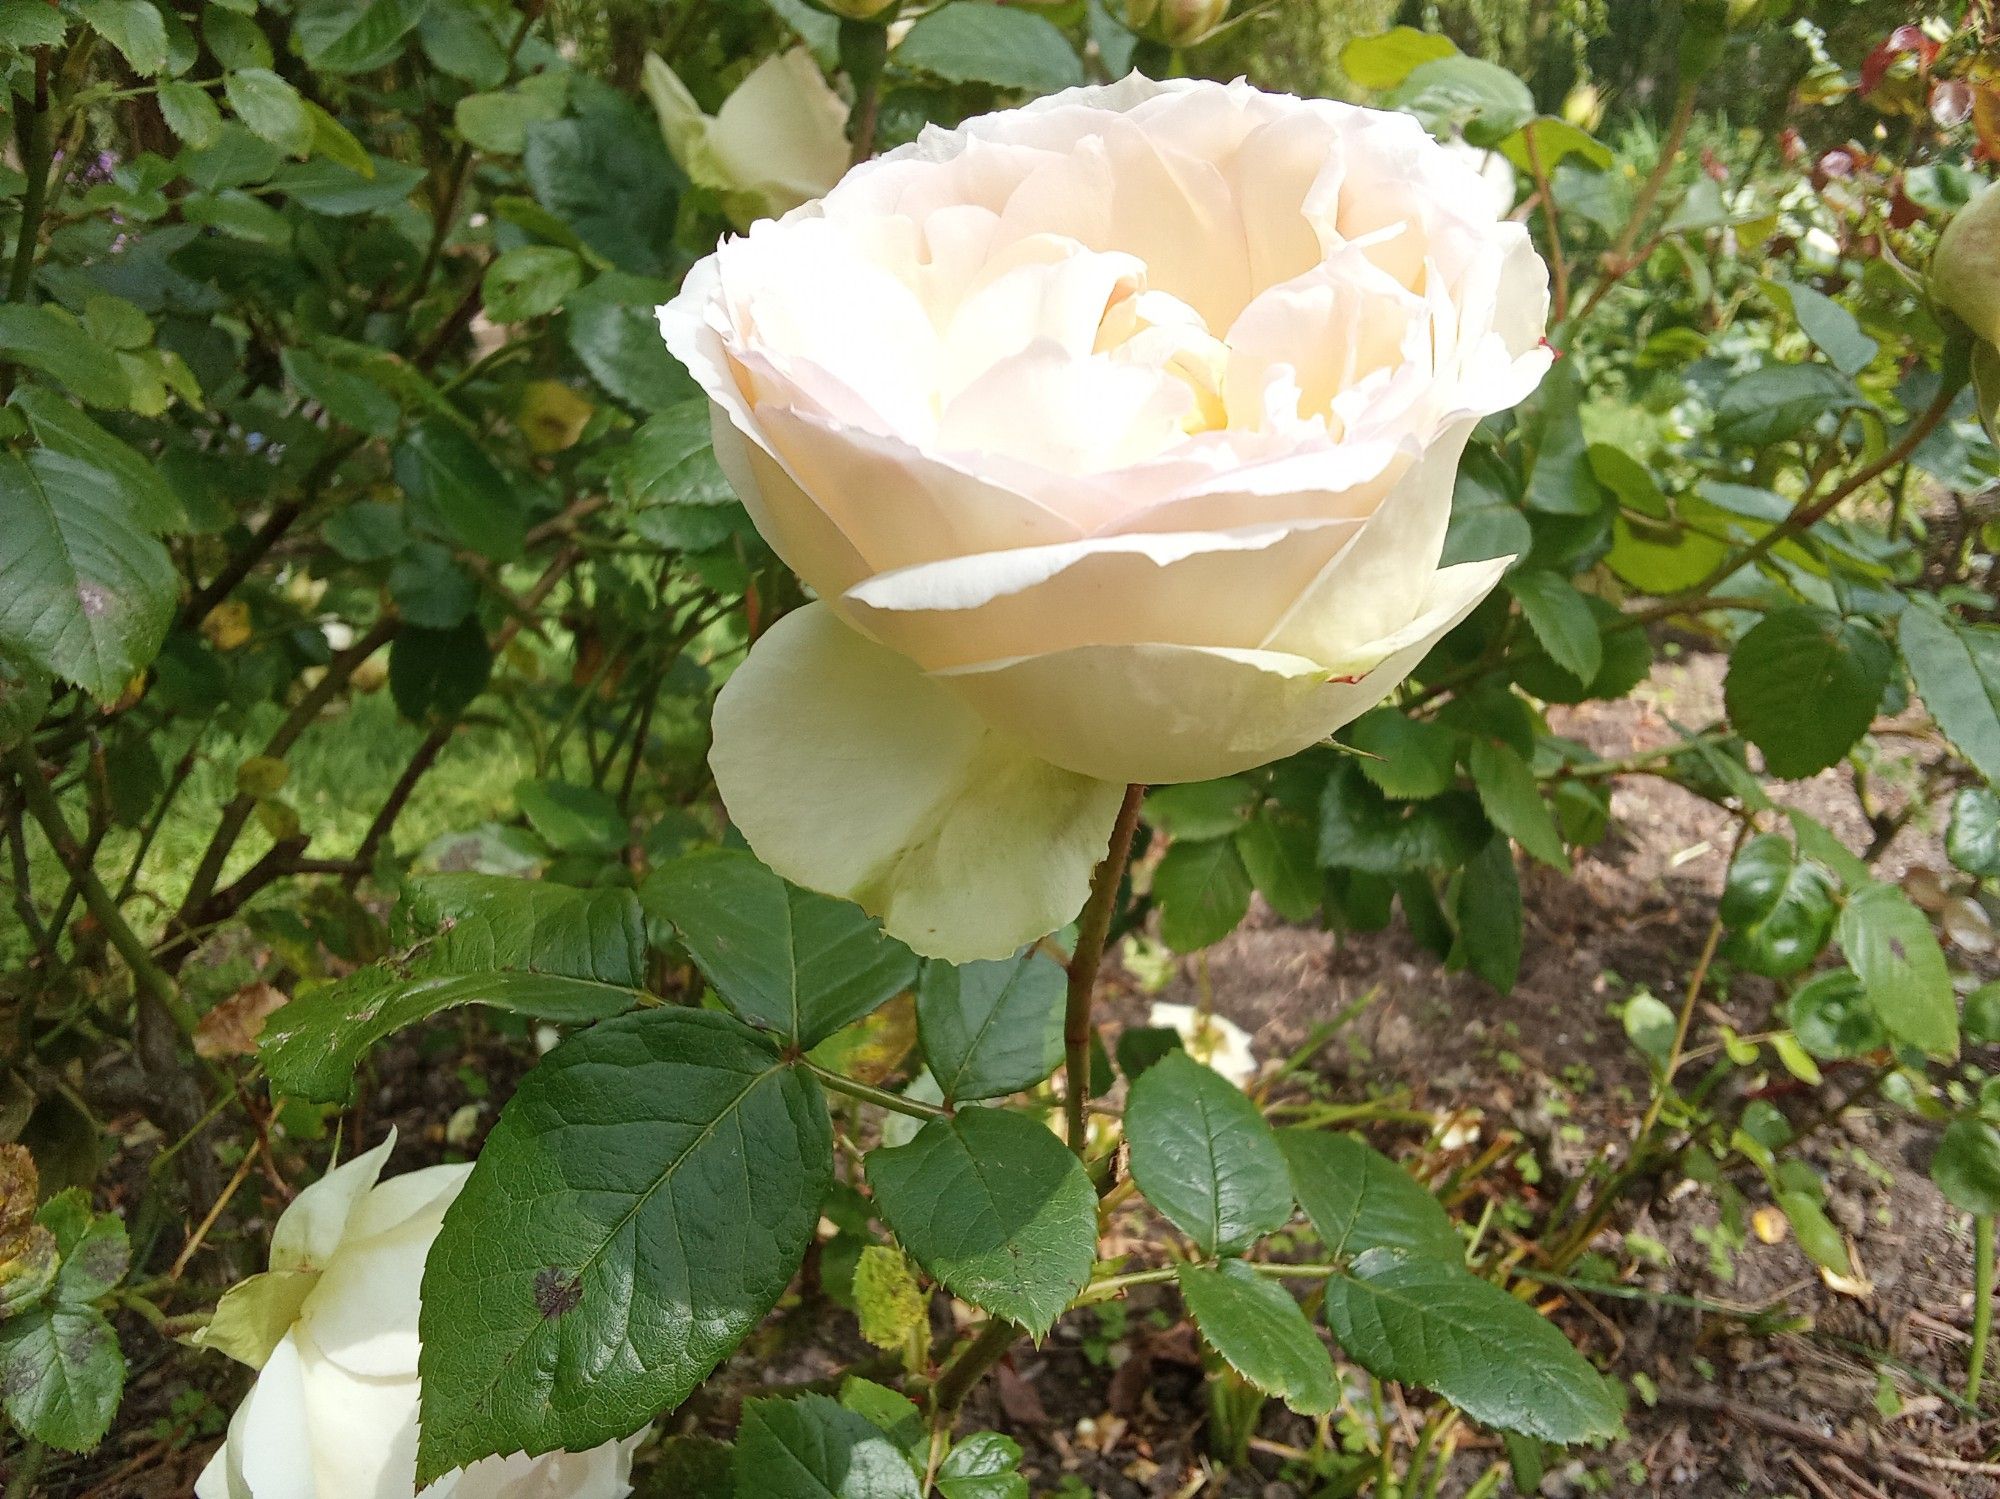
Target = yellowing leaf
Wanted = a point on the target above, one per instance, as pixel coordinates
(227, 625)
(894, 1313)
(551, 416)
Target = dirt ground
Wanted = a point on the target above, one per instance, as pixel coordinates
(1854, 1400)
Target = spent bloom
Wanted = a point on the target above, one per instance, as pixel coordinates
(1212, 1039)
(1116, 436)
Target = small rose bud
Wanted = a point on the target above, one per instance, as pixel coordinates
(1178, 23)
(1965, 271)
(1583, 106)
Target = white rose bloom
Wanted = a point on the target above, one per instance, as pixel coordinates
(1496, 174)
(778, 141)
(332, 1328)
(1116, 436)
(1220, 1043)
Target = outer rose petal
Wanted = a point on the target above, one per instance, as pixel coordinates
(310, 1230)
(362, 1315)
(1216, 588)
(852, 773)
(1165, 713)
(266, 1454)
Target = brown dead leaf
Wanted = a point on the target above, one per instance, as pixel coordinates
(232, 1027)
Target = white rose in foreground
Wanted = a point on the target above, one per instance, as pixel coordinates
(779, 140)
(1117, 437)
(332, 1326)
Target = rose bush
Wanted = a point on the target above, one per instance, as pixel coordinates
(1116, 436)
(332, 1328)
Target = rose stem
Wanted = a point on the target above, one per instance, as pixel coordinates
(1092, 928)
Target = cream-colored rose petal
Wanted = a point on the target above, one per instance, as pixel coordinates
(852, 773)
(267, 1453)
(363, 1313)
(312, 1227)
(362, 1432)
(899, 506)
(1221, 588)
(1381, 580)
(1166, 713)
(783, 133)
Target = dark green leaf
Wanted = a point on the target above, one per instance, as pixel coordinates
(1201, 809)
(61, 1374)
(1278, 853)
(642, 1202)
(1358, 1199)
(1972, 839)
(812, 1447)
(529, 281)
(85, 593)
(1966, 1167)
(1203, 1155)
(58, 424)
(1803, 686)
(1832, 1017)
(1561, 620)
(1361, 830)
(969, 43)
(546, 950)
(787, 959)
(992, 1204)
(1780, 912)
(340, 192)
(605, 173)
(1408, 759)
(1889, 943)
(573, 819)
(50, 340)
(612, 329)
(1831, 327)
(354, 36)
(455, 490)
(990, 1029)
(1140, 1046)
(1779, 401)
(347, 395)
(437, 673)
(1259, 1329)
(1957, 672)
(1429, 1323)
(1489, 915)
(1513, 801)
(1203, 891)
(1483, 101)
(271, 108)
